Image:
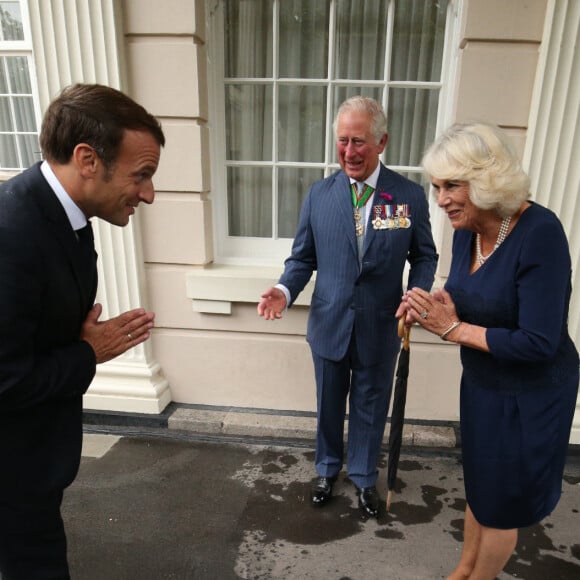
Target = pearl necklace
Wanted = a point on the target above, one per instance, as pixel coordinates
(501, 236)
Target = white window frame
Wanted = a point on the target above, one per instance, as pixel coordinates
(271, 251)
(23, 48)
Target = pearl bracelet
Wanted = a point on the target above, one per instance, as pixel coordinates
(453, 326)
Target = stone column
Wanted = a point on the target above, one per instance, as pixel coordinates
(80, 42)
(551, 157)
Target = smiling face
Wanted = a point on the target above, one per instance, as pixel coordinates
(453, 197)
(357, 150)
(116, 192)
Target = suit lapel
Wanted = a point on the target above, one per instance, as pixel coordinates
(342, 196)
(384, 186)
(59, 226)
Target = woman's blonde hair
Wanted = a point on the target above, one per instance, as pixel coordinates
(480, 154)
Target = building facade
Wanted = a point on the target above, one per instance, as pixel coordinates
(246, 91)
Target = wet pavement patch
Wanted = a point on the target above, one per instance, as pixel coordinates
(292, 519)
(413, 514)
(388, 533)
(168, 509)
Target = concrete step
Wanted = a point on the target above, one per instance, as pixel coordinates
(283, 426)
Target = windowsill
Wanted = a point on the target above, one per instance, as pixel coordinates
(214, 288)
(6, 175)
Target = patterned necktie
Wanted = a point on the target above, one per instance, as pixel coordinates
(360, 196)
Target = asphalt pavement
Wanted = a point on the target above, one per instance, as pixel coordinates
(152, 504)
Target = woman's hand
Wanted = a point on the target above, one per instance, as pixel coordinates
(435, 313)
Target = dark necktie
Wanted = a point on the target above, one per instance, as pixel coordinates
(87, 255)
(86, 241)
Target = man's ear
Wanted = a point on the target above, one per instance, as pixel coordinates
(86, 160)
(383, 142)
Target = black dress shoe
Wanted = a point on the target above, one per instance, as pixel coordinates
(321, 490)
(368, 501)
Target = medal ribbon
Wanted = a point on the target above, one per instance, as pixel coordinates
(360, 200)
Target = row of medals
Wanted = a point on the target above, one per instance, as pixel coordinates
(386, 217)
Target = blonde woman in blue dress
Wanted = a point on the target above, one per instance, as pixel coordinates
(506, 304)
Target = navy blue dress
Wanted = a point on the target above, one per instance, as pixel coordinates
(518, 401)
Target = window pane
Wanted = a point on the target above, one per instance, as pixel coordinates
(293, 184)
(287, 62)
(412, 118)
(11, 21)
(8, 155)
(19, 75)
(3, 80)
(24, 113)
(304, 36)
(249, 122)
(5, 116)
(343, 93)
(248, 38)
(361, 36)
(301, 123)
(250, 202)
(29, 149)
(418, 36)
(20, 148)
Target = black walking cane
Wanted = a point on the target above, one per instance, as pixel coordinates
(398, 412)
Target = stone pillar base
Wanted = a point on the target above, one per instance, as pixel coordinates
(131, 387)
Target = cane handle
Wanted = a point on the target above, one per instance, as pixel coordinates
(404, 332)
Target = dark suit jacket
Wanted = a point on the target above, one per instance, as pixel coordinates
(45, 295)
(347, 297)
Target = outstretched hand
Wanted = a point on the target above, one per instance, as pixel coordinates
(113, 337)
(272, 304)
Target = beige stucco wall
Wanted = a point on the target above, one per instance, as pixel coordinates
(233, 358)
(498, 59)
(167, 73)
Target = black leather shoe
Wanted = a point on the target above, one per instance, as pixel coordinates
(368, 500)
(321, 490)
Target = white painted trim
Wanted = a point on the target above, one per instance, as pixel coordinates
(442, 231)
(575, 434)
(272, 250)
(211, 306)
(234, 283)
(135, 387)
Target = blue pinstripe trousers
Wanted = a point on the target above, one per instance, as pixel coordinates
(368, 391)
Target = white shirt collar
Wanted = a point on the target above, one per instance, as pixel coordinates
(75, 215)
(372, 178)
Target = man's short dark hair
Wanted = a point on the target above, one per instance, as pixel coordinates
(94, 114)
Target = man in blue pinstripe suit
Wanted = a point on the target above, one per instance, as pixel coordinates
(357, 229)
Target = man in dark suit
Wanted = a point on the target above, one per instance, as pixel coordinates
(101, 150)
(357, 229)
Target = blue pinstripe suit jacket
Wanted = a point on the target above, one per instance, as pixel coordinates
(347, 297)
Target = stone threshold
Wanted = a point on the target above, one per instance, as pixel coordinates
(276, 425)
(258, 424)
(241, 423)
